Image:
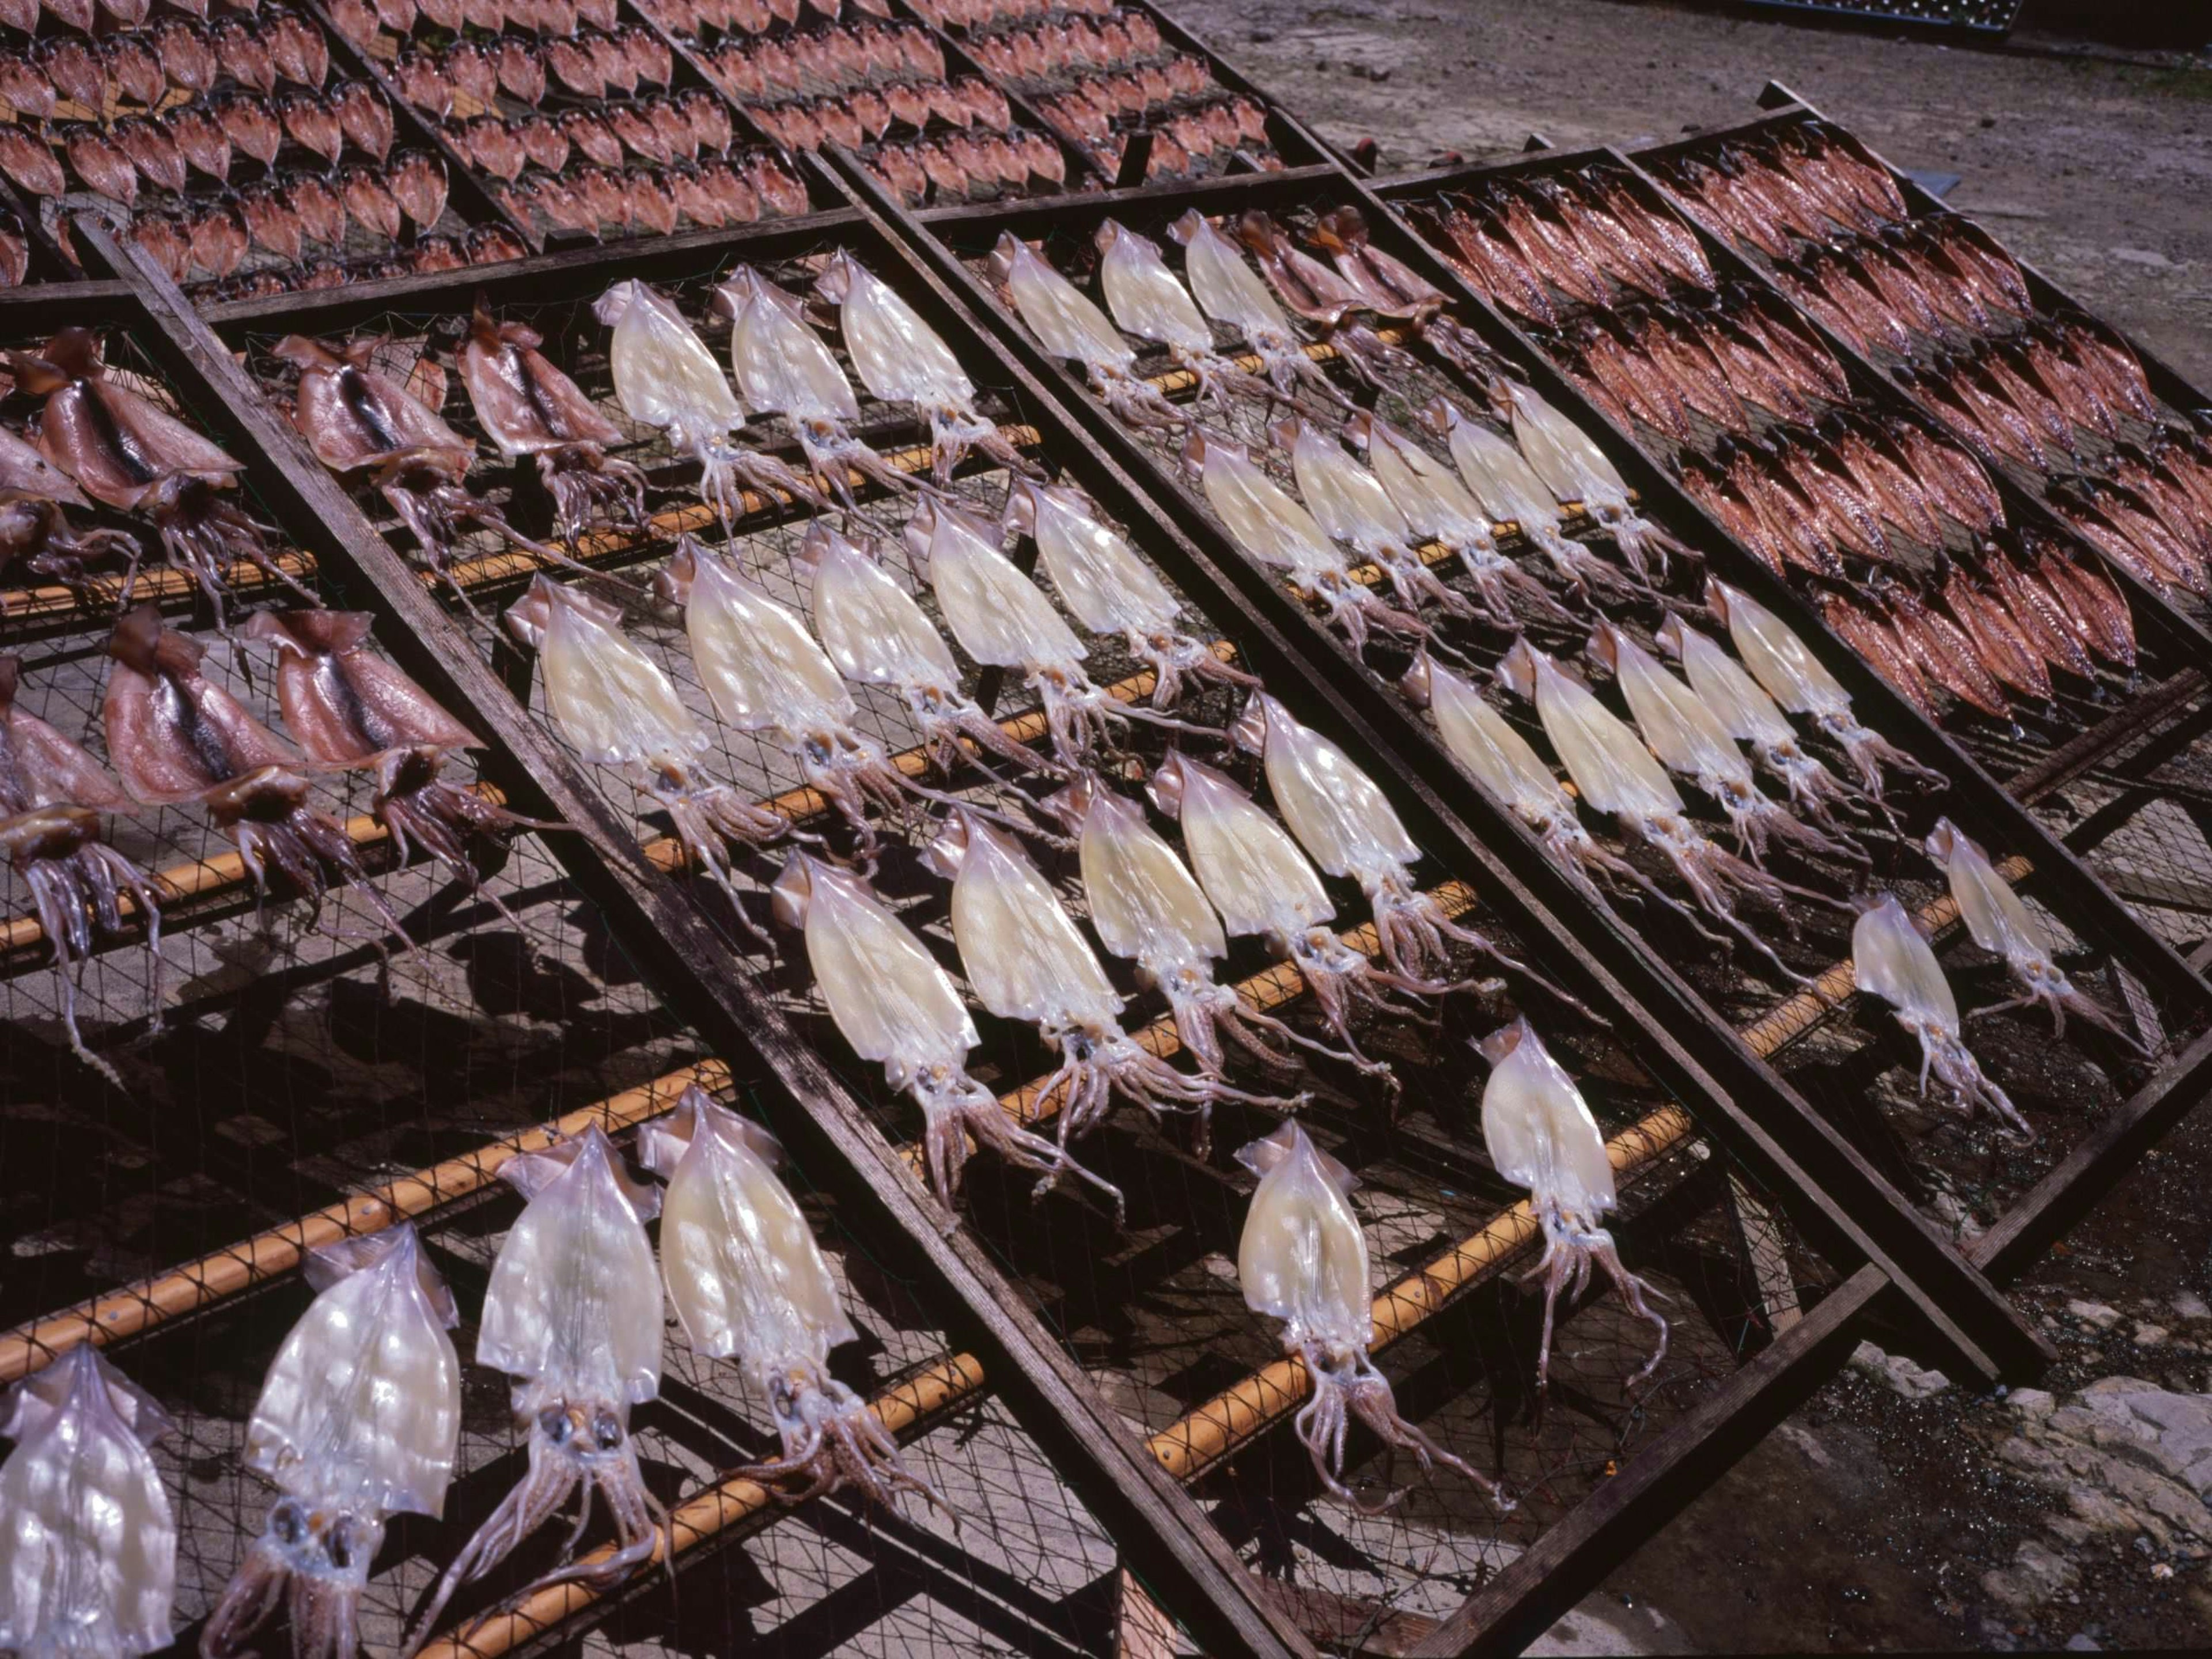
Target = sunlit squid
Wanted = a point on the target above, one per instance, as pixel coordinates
(897, 1008)
(1146, 301)
(1302, 1259)
(573, 1314)
(88, 1554)
(1230, 291)
(1892, 960)
(749, 1284)
(358, 1420)
(1540, 1135)
(1068, 326)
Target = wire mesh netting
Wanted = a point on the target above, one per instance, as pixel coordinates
(1153, 1309)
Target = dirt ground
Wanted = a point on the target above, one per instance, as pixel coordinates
(2094, 165)
(1869, 1521)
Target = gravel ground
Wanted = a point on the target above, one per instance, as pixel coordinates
(1871, 1521)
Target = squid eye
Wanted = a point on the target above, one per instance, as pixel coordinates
(339, 1544)
(553, 1423)
(288, 1522)
(606, 1430)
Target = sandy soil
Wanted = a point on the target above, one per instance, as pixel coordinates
(1868, 1521)
(2097, 169)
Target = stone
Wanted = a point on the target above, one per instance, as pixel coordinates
(1910, 1381)
(2189, 1305)
(2150, 1336)
(2128, 1459)
(2082, 1641)
(2094, 1312)
(2143, 255)
(2037, 1574)
(1815, 1452)
(2031, 1402)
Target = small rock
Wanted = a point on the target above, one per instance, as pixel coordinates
(2066, 1528)
(2082, 1641)
(2150, 1336)
(2094, 1312)
(2037, 1574)
(1260, 37)
(2143, 255)
(1989, 120)
(2031, 1402)
(2189, 1305)
(1909, 1380)
(1815, 1452)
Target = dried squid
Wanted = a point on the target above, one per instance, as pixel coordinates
(666, 378)
(764, 673)
(88, 1554)
(1352, 504)
(51, 795)
(347, 707)
(1350, 829)
(1891, 959)
(784, 367)
(1575, 468)
(1436, 505)
(37, 537)
(531, 408)
(1540, 1135)
(358, 419)
(901, 359)
(358, 1420)
(877, 636)
(1694, 742)
(1274, 530)
(1263, 886)
(620, 709)
(1500, 759)
(572, 1314)
(174, 736)
(1067, 325)
(2004, 926)
(1616, 773)
(897, 1008)
(1148, 910)
(129, 453)
(1302, 1259)
(1003, 620)
(1146, 301)
(1509, 491)
(1796, 679)
(1107, 587)
(1027, 962)
(1746, 713)
(1230, 292)
(749, 1284)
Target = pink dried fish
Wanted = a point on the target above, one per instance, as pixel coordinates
(310, 123)
(127, 453)
(529, 407)
(31, 162)
(51, 795)
(364, 117)
(418, 184)
(252, 125)
(572, 1314)
(175, 735)
(296, 48)
(151, 150)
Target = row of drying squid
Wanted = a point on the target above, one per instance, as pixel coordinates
(758, 70)
(753, 17)
(1696, 729)
(359, 20)
(590, 64)
(143, 64)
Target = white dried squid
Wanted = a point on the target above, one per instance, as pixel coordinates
(1302, 1259)
(1794, 678)
(899, 1008)
(1068, 326)
(620, 709)
(1108, 588)
(1575, 468)
(1892, 960)
(749, 1284)
(1146, 301)
(358, 1420)
(1027, 962)
(1232, 294)
(573, 1316)
(88, 1539)
(1350, 503)
(901, 359)
(1540, 1135)
(2002, 924)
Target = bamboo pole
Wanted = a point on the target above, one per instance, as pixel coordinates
(139, 1307)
